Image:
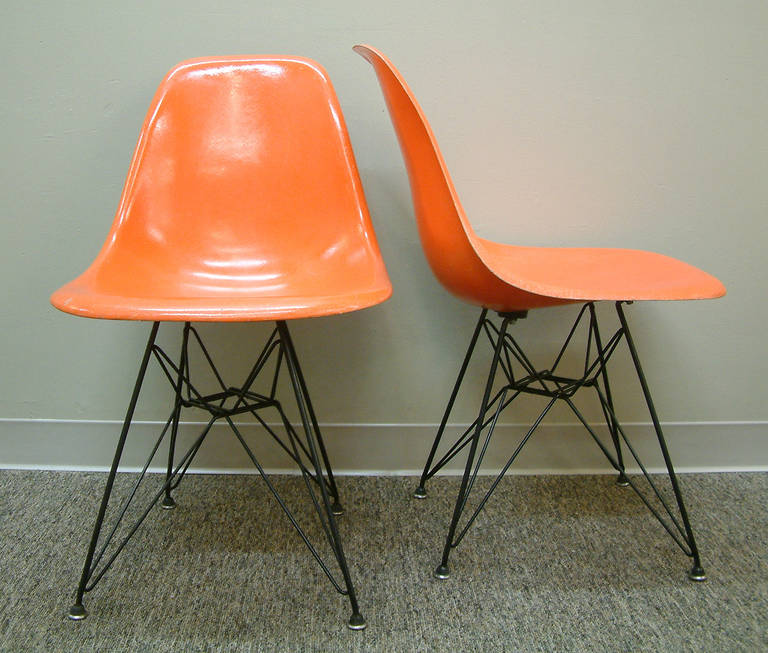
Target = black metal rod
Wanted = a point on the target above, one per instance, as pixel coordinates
(181, 471)
(504, 361)
(605, 355)
(568, 338)
(282, 504)
(484, 448)
(443, 568)
(294, 456)
(204, 349)
(609, 415)
(464, 439)
(490, 491)
(115, 463)
(192, 450)
(649, 479)
(299, 448)
(278, 366)
(660, 436)
(299, 390)
(165, 362)
(519, 354)
(291, 432)
(454, 393)
(169, 502)
(127, 502)
(313, 420)
(615, 465)
(508, 368)
(306, 476)
(262, 359)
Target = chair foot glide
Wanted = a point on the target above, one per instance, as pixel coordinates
(442, 572)
(356, 622)
(697, 574)
(77, 612)
(168, 503)
(622, 480)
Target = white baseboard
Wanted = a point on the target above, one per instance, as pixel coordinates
(381, 449)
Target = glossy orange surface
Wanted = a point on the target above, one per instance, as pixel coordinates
(242, 202)
(505, 277)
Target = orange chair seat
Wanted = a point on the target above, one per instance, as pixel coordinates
(592, 273)
(242, 202)
(509, 278)
(79, 298)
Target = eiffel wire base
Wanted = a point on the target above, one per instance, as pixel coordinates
(520, 376)
(304, 446)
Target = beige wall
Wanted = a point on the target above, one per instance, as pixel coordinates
(635, 124)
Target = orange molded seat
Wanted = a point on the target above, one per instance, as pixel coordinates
(242, 202)
(506, 277)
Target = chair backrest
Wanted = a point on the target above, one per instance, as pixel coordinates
(446, 234)
(243, 181)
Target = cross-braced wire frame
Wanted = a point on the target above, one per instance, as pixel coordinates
(522, 377)
(304, 446)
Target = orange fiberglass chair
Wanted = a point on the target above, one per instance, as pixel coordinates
(510, 281)
(242, 203)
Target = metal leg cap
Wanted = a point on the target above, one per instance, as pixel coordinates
(420, 492)
(168, 503)
(77, 612)
(697, 574)
(622, 480)
(442, 572)
(356, 622)
(337, 509)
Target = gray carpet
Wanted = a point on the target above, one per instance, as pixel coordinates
(553, 564)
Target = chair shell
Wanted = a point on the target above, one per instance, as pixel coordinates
(506, 277)
(235, 153)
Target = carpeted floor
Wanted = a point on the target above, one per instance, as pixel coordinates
(553, 564)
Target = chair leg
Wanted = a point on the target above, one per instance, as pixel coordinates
(420, 492)
(442, 571)
(697, 571)
(78, 611)
(168, 502)
(621, 480)
(356, 620)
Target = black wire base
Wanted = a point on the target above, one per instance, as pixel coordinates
(521, 377)
(304, 446)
